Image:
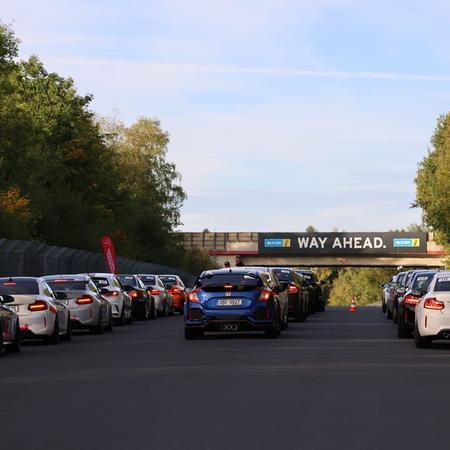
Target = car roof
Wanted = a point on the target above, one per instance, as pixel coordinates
(74, 276)
(443, 274)
(21, 278)
(234, 270)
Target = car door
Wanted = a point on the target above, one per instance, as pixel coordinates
(62, 311)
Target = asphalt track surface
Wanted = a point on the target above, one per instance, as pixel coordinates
(338, 381)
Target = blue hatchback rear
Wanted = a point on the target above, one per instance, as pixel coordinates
(230, 300)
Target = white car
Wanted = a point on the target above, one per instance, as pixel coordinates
(111, 289)
(41, 314)
(433, 312)
(88, 308)
(155, 287)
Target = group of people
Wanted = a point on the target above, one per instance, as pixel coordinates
(238, 262)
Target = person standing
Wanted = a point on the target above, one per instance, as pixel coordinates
(238, 261)
(226, 264)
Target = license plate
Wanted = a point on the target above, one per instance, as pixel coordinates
(229, 302)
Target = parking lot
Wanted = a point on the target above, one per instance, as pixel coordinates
(338, 380)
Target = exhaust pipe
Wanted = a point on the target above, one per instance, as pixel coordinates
(228, 327)
(234, 327)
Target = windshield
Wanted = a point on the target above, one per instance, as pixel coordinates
(148, 280)
(169, 281)
(422, 281)
(127, 280)
(442, 284)
(68, 285)
(101, 282)
(283, 274)
(232, 282)
(19, 287)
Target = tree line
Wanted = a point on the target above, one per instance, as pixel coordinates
(68, 177)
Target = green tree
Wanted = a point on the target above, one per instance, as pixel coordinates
(311, 229)
(433, 182)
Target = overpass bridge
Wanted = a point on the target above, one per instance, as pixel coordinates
(321, 249)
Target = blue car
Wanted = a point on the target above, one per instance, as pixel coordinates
(238, 299)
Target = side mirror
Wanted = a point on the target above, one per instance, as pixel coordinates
(6, 299)
(59, 295)
(401, 290)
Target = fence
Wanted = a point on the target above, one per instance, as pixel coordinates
(32, 258)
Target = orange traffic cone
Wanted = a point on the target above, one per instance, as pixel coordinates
(353, 305)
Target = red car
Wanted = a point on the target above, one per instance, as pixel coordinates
(176, 289)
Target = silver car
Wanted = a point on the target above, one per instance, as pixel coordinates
(88, 308)
(111, 289)
(157, 289)
(41, 314)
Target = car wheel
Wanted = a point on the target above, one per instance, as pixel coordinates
(68, 335)
(110, 325)
(98, 329)
(421, 341)
(383, 307)
(388, 313)
(272, 332)
(122, 320)
(55, 338)
(190, 333)
(2, 347)
(403, 330)
(394, 315)
(131, 318)
(300, 316)
(154, 313)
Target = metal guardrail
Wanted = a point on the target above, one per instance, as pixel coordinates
(32, 258)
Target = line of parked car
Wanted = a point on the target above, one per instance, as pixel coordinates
(418, 302)
(50, 307)
(251, 299)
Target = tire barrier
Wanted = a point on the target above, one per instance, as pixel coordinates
(32, 258)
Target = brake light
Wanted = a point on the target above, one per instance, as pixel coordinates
(228, 286)
(133, 294)
(292, 289)
(175, 291)
(265, 295)
(111, 294)
(9, 283)
(85, 300)
(411, 300)
(38, 305)
(433, 303)
(154, 292)
(192, 297)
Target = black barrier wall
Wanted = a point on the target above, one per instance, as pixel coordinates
(32, 258)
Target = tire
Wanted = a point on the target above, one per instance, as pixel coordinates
(388, 314)
(403, 331)
(55, 338)
(383, 307)
(121, 321)
(131, 318)
(272, 332)
(110, 325)
(99, 328)
(394, 314)
(68, 336)
(421, 341)
(154, 313)
(190, 333)
(300, 316)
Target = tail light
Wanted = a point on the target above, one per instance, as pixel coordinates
(38, 305)
(433, 303)
(292, 289)
(192, 297)
(265, 295)
(154, 292)
(411, 300)
(175, 291)
(85, 300)
(111, 294)
(134, 294)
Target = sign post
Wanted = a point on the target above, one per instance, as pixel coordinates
(110, 253)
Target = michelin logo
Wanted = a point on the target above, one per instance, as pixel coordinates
(277, 243)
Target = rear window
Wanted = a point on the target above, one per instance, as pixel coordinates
(101, 282)
(148, 280)
(400, 277)
(169, 281)
(68, 285)
(127, 280)
(227, 281)
(422, 281)
(442, 284)
(19, 287)
(283, 274)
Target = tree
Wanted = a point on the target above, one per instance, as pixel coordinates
(311, 229)
(433, 182)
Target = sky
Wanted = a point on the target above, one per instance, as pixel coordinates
(281, 113)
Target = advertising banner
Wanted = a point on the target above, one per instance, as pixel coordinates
(109, 252)
(390, 243)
